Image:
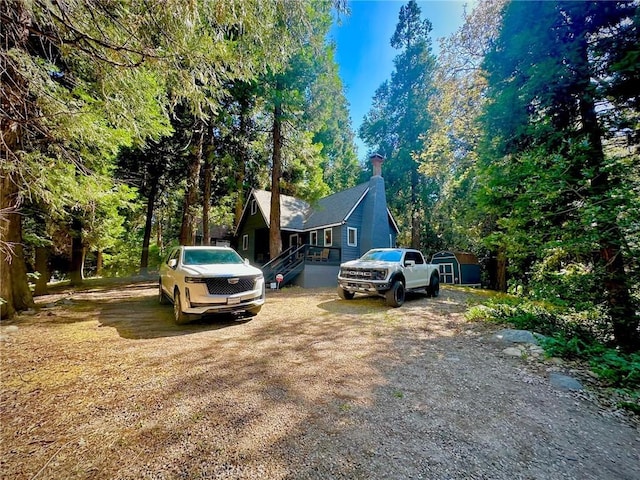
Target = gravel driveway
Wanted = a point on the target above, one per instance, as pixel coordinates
(102, 385)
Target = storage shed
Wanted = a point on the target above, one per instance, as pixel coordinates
(457, 268)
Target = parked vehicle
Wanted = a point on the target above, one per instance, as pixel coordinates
(203, 280)
(388, 272)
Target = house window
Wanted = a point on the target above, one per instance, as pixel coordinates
(254, 207)
(328, 237)
(313, 238)
(245, 242)
(352, 237)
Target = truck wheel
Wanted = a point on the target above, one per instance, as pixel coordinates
(395, 295)
(433, 290)
(345, 294)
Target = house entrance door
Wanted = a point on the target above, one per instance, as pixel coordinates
(446, 272)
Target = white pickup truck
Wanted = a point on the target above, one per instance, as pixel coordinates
(388, 272)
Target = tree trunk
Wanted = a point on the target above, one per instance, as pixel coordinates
(275, 238)
(415, 214)
(77, 253)
(44, 273)
(159, 236)
(501, 271)
(241, 164)
(239, 191)
(99, 263)
(206, 202)
(17, 112)
(191, 194)
(610, 256)
(148, 225)
(14, 286)
(610, 238)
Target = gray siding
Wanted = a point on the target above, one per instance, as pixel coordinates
(354, 221)
(375, 221)
(336, 237)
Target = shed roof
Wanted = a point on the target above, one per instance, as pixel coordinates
(464, 258)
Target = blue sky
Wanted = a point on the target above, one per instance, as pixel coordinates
(364, 53)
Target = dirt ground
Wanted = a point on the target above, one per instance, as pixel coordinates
(101, 384)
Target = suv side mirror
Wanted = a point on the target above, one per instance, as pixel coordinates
(410, 263)
(172, 263)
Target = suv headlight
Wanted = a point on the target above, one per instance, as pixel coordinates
(194, 280)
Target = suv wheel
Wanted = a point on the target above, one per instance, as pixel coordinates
(162, 298)
(395, 295)
(178, 315)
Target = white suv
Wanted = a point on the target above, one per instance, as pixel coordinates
(201, 280)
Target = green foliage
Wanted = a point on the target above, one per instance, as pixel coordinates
(123, 259)
(559, 280)
(568, 334)
(559, 345)
(397, 121)
(618, 369)
(546, 185)
(105, 76)
(588, 325)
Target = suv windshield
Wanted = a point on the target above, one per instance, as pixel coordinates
(208, 257)
(383, 255)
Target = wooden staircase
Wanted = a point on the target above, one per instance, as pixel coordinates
(289, 264)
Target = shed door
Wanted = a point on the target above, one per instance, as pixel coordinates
(446, 272)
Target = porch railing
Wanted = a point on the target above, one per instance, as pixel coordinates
(291, 262)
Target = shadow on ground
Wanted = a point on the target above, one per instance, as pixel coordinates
(143, 318)
(366, 303)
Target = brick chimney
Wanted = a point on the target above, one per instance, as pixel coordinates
(375, 222)
(376, 160)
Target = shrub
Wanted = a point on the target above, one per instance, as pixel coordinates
(569, 334)
(616, 368)
(546, 319)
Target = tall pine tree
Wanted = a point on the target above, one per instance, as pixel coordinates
(399, 119)
(550, 176)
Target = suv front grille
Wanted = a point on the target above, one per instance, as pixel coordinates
(222, 285)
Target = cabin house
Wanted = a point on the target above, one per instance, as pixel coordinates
(317, 238)
(457, 268)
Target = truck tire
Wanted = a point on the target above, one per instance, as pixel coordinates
(433, 290)
(395, 295)
(345, 294)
